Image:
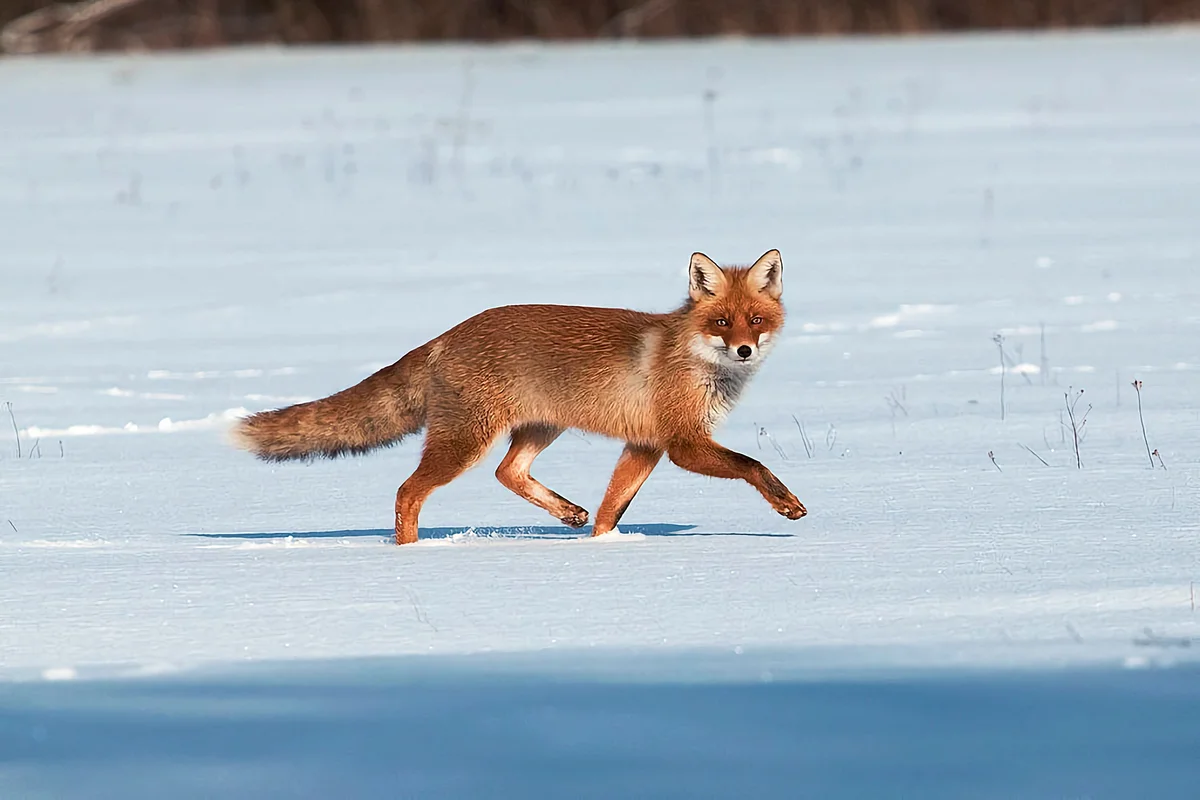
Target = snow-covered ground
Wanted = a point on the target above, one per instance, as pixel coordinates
(188, 237)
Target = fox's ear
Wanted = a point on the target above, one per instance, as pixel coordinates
(767, 274)
(706, 279)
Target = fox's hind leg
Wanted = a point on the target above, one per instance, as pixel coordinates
(451, 448)
(633, 468)
(527, 442)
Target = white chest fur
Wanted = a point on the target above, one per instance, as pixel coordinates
(722, 387)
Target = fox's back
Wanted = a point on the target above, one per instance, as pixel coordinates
(574, 366)
(535, 336)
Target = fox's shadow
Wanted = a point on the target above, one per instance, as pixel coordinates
(486, 531)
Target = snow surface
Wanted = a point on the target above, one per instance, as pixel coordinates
(190, 237)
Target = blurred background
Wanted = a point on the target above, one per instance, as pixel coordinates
(30, 26)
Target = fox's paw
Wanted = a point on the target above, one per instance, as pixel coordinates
(576, 517)
(789, 507)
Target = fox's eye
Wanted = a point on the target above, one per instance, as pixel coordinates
(756, 321)
(722, 322)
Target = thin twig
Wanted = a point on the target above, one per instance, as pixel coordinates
(16, 433)
(762, 432)
(894, 404)
(1137, 387)
(897, 403)
(1035, 455)
(1012, 362)
(1160, 460)
(14, 527)
(808, 445)
(1076, 424)
(992, 456)
(999, 340)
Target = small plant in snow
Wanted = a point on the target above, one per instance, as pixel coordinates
(1137, 387)
(999, 340)
(895, 403)
(16, 432)
(808, 444)
(760, 434)
(1034, 454)
(992, 456)
(1078, 421)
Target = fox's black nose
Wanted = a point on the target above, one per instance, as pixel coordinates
(744, 351)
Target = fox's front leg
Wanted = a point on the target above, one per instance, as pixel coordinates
(709, 458)
(633, 467)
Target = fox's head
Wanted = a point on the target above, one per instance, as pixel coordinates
(735, 311)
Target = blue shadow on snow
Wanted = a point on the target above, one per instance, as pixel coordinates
(430, 729)
(488, 531)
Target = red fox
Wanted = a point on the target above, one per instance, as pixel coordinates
(659, 382)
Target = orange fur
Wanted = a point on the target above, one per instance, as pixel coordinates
(659, 382)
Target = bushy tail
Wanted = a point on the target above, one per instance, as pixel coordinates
(376, 412)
